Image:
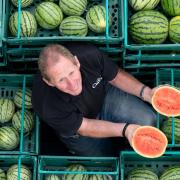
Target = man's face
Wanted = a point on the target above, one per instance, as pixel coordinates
(65, 75)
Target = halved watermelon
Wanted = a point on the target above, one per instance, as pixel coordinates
(149, 142)
(166, 101)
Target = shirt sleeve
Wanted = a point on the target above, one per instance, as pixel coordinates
(65, 124)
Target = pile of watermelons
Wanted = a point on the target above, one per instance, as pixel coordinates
(72, 17)
(11, 118)
(78, 176)
(172, 172)
(155, 21)
(12, 172)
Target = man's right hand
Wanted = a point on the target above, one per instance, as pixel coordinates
(130, 132)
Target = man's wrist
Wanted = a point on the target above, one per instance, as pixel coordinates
(141, 94)
(124, 129)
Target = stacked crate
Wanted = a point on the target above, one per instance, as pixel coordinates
(22, 150)
(163, 61)
(149, 56)
(130, 161)
(20, 55)
(18, 62)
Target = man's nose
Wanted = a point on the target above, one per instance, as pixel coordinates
(70, 82)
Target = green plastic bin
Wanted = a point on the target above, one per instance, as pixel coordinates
(8, 160)
(29, 144)
(150, 59)
(30, 53)
(113, 35)
(130, 160)
(131, 45)
(172, 77)
(136, 55)
(2, 48)
(94, 165)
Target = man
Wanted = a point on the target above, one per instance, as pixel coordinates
(87, 99)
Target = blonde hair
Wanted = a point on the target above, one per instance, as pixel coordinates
(52, 53)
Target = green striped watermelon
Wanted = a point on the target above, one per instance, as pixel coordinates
(49, 0)
(99, 177)
(143, 174)
(174, 29)
(77, 168)
(9, 138)
(73, 26)
(24, 3)
(18, 98)
(171, 173)
(167, 129)
(52, 177)
(28, 121)
(73, 7)
(2, 175)
(171, 7)
(96, 19)
(25, 173)
(7, 109)
(48, 15)
(148, 27)
(143, 4)
(28, 25)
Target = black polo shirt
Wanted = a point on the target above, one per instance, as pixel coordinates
(64, 112)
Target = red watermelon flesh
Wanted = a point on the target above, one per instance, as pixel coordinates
(149, 142)
(166, 101)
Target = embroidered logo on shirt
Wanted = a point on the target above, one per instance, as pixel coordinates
(98, 80)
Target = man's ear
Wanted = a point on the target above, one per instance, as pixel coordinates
(77, 61)
(47, 82)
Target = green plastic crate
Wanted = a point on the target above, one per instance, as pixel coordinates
(2, 12)
(168, 76)
(30, 53)
(94, 165)
(130, 160)
(131, 45)
(8, 160)
(112, 35)
(150, 59)
(29, 144)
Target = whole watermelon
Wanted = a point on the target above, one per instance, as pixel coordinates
(18, 98)
(27, 119)
(52, 177)
(166, 127)
(170, 173)
(25, 173)
(171, 7)
(28, 25)
(99, 177)
(2, 175)
(143, 4)
(24, 3)
(78, 168)
(7, 109)
(96, 19)
(73, 26)
(48, 15)
(148, 27)
(9, 138)
(142, 173)
(73, 7)
(174, 29)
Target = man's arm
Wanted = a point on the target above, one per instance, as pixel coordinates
(102, 129)
(130, 84)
